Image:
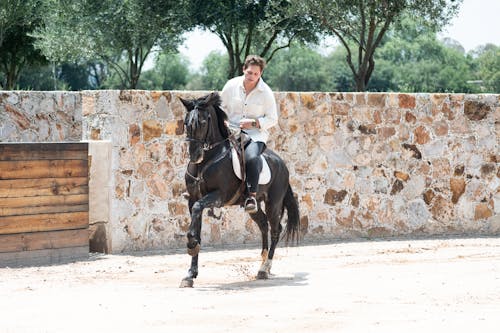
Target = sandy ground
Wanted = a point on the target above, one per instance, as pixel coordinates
(443, 285)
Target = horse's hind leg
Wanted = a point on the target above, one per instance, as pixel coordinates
(261, 219)
(265, 268)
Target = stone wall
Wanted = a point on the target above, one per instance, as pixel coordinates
(362, 164)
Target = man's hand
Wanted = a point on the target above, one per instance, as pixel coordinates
(249, 123)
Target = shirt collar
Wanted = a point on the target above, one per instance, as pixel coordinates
(259, 86)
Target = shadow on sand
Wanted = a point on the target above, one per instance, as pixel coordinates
(297, 280)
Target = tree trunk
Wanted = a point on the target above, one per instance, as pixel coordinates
(12, 76)
(133, 72)
(360, 83)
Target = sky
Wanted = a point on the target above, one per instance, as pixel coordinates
(477, 23)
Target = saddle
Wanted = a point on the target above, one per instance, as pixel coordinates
(238, 157)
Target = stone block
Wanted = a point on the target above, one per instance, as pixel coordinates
(421, 135)
(88, 104)
(134, 132)
(428, 196)
(151, 129)
(482, 211)
(476, 110)
(386, 132)
(307, 101)
(401, 175)
(377, 99)
(333, 197)
(407, 101)
(397, 186)
(100, 196)
(457, 186)
(17, 116)
(341, 108)
(440, 128)
(442, 209)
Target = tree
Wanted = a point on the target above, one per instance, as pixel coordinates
(299, 69)
(170, 72)
(361, 25)
(66, 76)
(214, 72)
(121, 33)
(15, 13)
(261, 27)
(17, 52)
(487, 59)
(413, 60)
(17, 20)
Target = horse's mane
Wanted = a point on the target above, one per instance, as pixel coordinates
(215, 101)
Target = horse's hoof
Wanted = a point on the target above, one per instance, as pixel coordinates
(262, 275)
(187, 283)
(194, 251)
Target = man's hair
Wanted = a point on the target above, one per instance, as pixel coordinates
(254, 60)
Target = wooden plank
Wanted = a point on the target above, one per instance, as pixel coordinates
(12, 188)
(43, 151)
(48, 200)
(43, 169)
(43, 210)
(43, 222)
(44, 257)
(43, 240)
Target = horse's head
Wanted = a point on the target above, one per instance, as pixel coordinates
(204, 123)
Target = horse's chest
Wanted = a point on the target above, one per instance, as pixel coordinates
(209, 178)
(215, 174)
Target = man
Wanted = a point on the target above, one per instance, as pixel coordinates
(250, 105)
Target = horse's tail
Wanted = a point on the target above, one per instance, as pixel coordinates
(292, 229)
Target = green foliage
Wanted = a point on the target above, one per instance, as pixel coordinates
(213, 74)
(171, 72)
(121, 33)
(95, 44)
(415, 61)
(41, 78)
(15, 14)
(361, 26)
(487, 72)
(67, 76)
(17, 49)
(246, 27)
(298, 69)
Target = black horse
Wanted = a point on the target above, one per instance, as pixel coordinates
(211, 182)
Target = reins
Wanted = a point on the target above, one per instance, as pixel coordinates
(241, 158)
(240, 150)
(207, 146)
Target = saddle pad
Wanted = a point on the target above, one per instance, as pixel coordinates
(265, 174)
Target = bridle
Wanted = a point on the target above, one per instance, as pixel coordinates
(207, 146)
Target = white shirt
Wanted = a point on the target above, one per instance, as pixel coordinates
(259, 104)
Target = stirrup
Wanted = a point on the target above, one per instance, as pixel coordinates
(251, 205)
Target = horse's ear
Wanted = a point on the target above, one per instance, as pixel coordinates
(212, 98)
(187, 103)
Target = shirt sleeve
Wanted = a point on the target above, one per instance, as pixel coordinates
(225, 97)
(270, 117)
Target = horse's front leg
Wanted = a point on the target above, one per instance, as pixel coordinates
(194, 233)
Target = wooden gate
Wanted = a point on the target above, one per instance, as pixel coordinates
(44, 210)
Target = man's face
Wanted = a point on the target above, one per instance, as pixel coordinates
(252, 73)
